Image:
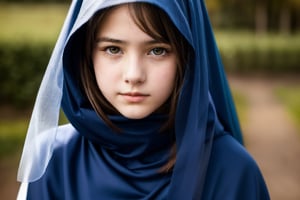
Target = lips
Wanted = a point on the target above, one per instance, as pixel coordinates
(134, 97)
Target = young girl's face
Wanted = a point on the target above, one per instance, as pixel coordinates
(134, 72)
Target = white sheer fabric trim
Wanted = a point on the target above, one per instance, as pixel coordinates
(22, 194)
(42, 131)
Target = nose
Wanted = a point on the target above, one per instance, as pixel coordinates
(134, 72)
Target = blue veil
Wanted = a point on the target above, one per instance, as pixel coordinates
(205, 108)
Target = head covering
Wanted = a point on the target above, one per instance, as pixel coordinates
(205, 107)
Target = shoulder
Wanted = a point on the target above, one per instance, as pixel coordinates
(67, 138)
(230, 157)
(232, 172)
(65, 133)
(225, 148)
(56, 137)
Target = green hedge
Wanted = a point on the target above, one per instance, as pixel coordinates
(263, 60)
(22, 66)
(248, 53)
(23, 63)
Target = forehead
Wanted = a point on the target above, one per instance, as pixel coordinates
(117, 13)
(118, 23)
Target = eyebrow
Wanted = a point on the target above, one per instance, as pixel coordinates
(107, 39)
(118, 41)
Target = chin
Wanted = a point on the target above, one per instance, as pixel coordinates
(135, 115)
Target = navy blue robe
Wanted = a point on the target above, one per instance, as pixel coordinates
(79, 170)
(88, 160)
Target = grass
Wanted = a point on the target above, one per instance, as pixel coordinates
(241, 106)
(13, 132)
(290, 96)
(12, 135)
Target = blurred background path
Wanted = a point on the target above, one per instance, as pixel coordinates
(271, 137)
(8, 173)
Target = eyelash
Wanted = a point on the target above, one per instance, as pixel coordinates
(164, 51)
(109, 48)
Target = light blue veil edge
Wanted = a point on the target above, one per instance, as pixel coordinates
(41, 134)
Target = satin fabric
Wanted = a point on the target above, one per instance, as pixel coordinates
(79, 170)
(90, 161)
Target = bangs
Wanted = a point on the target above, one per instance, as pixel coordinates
(151, 20)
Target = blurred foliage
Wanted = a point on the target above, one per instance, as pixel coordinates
(26, 43)
(21, 66)
(260, 16)
(246, 52)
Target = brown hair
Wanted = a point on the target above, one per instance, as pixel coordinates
(156, 24)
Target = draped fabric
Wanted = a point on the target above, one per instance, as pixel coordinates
(88, 160)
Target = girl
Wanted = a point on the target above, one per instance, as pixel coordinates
(151, 116)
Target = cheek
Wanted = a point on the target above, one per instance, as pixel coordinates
(170, 73)
(105, 75)
(165, 80)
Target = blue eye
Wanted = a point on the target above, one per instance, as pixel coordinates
(113, 50)
(158, 51)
